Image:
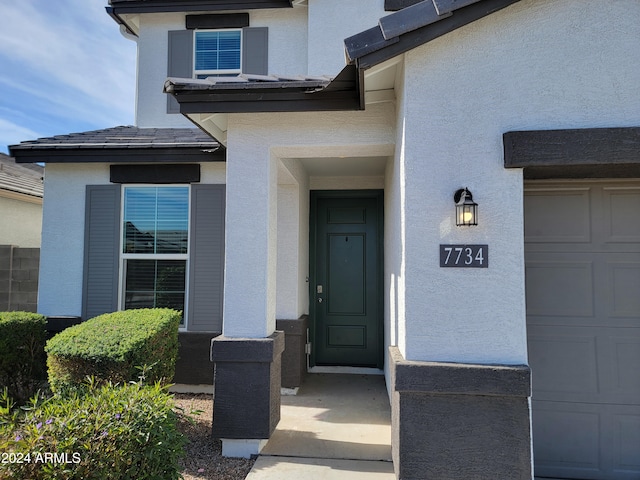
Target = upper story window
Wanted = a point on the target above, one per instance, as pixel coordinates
(217, 52)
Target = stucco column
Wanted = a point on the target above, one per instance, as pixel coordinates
(250, 242)
(247, 365)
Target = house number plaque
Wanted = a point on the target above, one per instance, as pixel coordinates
(469, 256)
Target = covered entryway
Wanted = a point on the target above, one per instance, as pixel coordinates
(346, 302)
(582, 252)
(337, 427)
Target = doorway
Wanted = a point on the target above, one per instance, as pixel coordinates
(346, 268)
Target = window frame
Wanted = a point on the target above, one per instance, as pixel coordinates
(123, 257)
(220, 72)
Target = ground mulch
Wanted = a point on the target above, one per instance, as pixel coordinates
(203, 459)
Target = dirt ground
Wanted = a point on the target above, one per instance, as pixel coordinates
(204, 460)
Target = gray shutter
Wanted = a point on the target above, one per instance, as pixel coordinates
(101, 244)
(180, 61)
(255, 50)
(206, 258)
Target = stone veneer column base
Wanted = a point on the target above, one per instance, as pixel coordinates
(294, 358)
(246, 378)
(193, 366)
(455, 421)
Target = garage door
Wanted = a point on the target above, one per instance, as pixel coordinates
(582, 251)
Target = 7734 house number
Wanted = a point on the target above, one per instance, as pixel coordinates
(469, 256)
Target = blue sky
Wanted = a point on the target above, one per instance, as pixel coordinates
(64, 68)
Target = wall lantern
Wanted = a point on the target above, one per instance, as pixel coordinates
(466, 208)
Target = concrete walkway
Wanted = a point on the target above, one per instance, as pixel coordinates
(336, 427)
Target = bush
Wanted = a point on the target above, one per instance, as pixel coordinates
(111, 433)
(22, 359)
(112, 347)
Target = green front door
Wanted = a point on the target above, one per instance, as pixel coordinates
(346, 278)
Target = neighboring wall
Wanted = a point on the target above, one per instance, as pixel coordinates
(18, 278)
(20, 220)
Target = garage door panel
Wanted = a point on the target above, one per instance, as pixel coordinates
(624, 288)
(599, 442)
(576, 450)
(622, 205)
(559, 288)
(583, 322)
(624, 370)
(585, 364)
(563, 364)
(626, 441)
(546, 222)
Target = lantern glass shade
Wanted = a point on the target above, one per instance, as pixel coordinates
(466, 208)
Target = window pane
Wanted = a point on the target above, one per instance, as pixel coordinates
(156, 220)
(155, 283)
(229, 60)
(217, 50)
(229, 40)
(139, 218)
(140, 284)
(173, 220)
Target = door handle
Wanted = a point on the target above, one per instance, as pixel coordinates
(319, 299)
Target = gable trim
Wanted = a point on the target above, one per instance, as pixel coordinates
(370, 48)
(395, 5)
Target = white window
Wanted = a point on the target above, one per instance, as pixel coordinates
(155, 247)
(217, 52)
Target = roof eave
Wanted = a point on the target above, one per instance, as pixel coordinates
(168, 6)
(21, 196)
(340, 94)
(113, 154)
(121, 21)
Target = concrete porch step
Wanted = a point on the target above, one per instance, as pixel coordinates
(293, 468)
(337, 427)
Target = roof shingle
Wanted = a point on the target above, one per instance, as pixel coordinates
(122, 137)
(25, 179)
(122, 144)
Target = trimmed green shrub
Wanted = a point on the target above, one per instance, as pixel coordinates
(113, 347)
(22, 358)
(111, 433)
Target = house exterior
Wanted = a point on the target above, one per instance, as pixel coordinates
(317, 195)
(20, 230)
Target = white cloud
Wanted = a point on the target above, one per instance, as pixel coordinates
(11, 133)
(70, 58)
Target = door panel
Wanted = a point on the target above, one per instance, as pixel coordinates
(346, 273)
